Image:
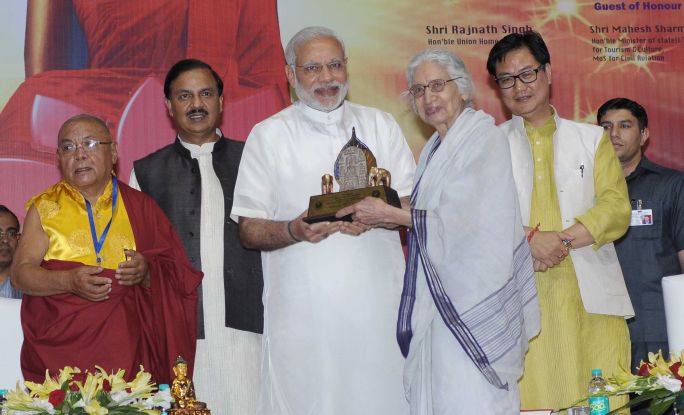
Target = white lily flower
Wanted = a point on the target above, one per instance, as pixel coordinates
(160, 399)
(669, 383)
(122, 398)
(41, 407)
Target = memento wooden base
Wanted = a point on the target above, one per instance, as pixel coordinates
(189, 411)
(323, 207)
(199, 409)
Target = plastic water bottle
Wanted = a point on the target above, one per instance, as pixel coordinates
(598, 396)
(163, 389)
(3, 392)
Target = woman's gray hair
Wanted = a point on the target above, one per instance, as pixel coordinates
(454, 66)
(305, 35)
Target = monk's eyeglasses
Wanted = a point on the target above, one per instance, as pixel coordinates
(91, 144)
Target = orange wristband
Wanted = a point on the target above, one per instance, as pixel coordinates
(532, 232)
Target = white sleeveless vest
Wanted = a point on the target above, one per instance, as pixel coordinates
(599, 275)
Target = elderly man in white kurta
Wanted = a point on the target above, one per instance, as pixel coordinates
(331, 290)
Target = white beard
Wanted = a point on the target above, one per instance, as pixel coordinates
(310, 100)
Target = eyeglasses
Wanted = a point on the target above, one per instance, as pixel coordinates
(9, 233)
(526, 77)
(334, 66)
(436, 85)
(68, 147)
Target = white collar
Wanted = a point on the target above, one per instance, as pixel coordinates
(206, 148)
(332, 117)
(519, 122)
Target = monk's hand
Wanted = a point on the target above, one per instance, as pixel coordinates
(548, 248)
(134, 270)
(85, 283)
(315, 232)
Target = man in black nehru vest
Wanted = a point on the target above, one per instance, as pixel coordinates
(192, 179)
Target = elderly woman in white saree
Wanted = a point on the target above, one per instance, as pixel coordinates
(469, 303)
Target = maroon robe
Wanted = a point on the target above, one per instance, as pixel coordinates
(135, 326)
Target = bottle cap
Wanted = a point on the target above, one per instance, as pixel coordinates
(596, 372)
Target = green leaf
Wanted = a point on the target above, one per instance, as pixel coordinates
(72, 398)
(25, 408)
(660, 406)
(125, 410)
(648, 395)
(103, 398)
(658, 398)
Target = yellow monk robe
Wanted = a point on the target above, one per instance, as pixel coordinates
(572, 342)
(71, 240)
(135, 325)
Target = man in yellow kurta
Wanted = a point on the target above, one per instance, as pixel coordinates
(574, 204)
(105, 277)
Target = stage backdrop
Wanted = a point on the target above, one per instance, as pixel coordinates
(108, 57)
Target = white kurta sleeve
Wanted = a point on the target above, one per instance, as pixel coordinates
(255, 195)
(402, 164)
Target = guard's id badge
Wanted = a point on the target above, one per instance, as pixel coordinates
(642, 217)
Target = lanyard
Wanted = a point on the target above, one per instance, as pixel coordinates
(99, 242)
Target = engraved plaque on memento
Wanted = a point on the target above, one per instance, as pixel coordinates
(358, 176)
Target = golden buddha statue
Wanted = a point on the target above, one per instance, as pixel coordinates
(183, 392)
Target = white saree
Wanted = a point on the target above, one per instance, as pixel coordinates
(469, 304)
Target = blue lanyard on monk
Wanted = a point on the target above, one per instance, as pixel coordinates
(99, 242)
